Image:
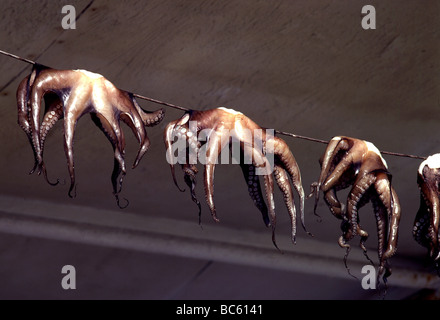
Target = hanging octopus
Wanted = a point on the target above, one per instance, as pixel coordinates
(359, 164)
(426, 224)
(205, 134)
(68, 95)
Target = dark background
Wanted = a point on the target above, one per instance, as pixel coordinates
(306, 67)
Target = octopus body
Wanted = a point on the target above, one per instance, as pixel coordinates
(205, 134)
(349, 162)
(68, 95)
(426, 224)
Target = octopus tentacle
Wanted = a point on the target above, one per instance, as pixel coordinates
(42, 84)
(421, 224)
(169, 136)
(387, 222)
(53, 113)
(394, 224)
(38, 90)
(149, 118)
(189, 141)
(282, 180)
(337, 208)
(345, 225)
(135, 123)
(381, 215)
(69, 129)
(119, 169)
(357, 192)
(23, 101)
(24, 109)
(390, 201)
(214, 147)
(254, 188)
(129, 114)
(22, 96)
(334, 148)
(343, 166)
(268, 184)
(23, 114)
(331, 175)
(263, 168)
(209, 189)
(190, 180)
(350, 225)
(434, 222)
(287, 161)
(362, 233)
(52, 110)
(426, 224)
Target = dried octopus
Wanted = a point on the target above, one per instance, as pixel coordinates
(359, 164)
(68, 95)
(426, 224)
(205, 134)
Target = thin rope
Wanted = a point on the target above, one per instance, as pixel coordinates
(403, 155)
(17, 57)
(170, 105)
(160, 102)
(301, 137)
(326, 142)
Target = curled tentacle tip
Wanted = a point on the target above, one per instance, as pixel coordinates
(200, 216)
(352, 275)
(53, 184)
(72, 189)
(317, 215)
(313, 193)
(342, 243)
(274, 241)
(279, 250)
(214, 217)
(178, 187)
(119, 204)
(314, 189)
(276, 246)
(33, 169)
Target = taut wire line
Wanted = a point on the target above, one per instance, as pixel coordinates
(17, 57)
(170, 105)
(160, 102)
